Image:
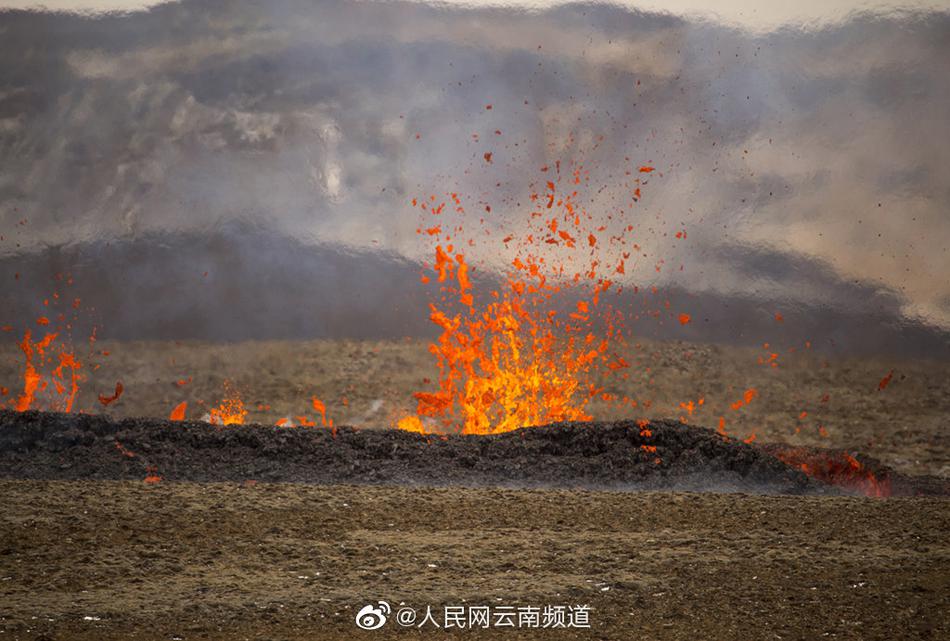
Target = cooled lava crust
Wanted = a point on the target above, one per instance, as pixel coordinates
(596, 455)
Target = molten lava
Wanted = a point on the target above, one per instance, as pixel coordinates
(106, 400)
(46, 386)
(517, 356)
(230, 411)
(31, 378)
(178, 412)
(835, 468)
(320, 406)
(411, 424)
(151, 475)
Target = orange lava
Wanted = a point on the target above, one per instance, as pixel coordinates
(59, 385)
(122, 450)
(411, 424)
(231, 411)
(31, 378)
(151, 475)
(746, 399)
(106, 400)
(320, 407)
(882, 385)
(522, 354)
(836, 468)
(178, 413)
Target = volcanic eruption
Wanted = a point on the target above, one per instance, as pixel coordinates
(569, 320)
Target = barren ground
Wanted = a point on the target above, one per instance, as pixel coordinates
(276, 561)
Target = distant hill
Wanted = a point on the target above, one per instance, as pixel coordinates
(242, 283)
(234, 284)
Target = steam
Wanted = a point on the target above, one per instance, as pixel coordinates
(808, 167)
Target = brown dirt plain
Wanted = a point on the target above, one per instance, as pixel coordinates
(116, 560)
(279, 561)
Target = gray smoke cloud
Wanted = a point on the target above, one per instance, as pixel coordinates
(808, 167)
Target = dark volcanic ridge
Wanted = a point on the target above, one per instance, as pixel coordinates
(173, 286)
(601, 455)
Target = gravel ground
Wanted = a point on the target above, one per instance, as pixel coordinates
(108, 560)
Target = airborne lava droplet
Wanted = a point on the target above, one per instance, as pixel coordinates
(321, 407)
(178, 413)
(881, 386)
(106, 400)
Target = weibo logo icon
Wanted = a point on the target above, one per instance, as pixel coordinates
(373, 617)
